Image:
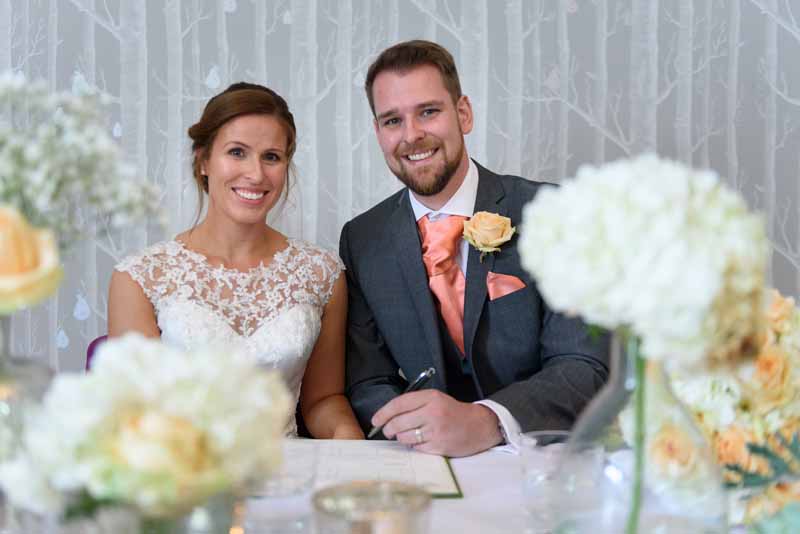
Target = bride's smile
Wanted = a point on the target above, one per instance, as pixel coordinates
(252, 196)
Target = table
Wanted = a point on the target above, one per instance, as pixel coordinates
(492, 486)
(492, 503)
(491, 483)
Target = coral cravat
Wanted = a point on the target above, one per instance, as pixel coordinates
(440, 240)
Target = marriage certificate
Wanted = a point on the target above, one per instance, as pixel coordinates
(340, 461)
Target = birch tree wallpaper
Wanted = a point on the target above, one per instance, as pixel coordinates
(554, 84)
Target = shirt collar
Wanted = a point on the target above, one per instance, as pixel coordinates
(461, 203)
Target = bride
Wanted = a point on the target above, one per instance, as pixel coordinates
(231, 280)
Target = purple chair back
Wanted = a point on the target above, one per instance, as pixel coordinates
(92, 348)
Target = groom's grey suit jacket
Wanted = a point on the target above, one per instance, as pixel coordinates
(540, 365)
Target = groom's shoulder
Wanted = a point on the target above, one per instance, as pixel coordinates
(520, 190)
(377, 215)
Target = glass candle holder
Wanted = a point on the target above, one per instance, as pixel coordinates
(372, 507)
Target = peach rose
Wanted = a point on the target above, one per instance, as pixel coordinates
(779, 312)
(765, 338)
(29, 268)
(487, 231)
(730, 447)
(773, 375)
(672, 451)
(772, 500)
(772, 367)
(790, 428)
(785, 492)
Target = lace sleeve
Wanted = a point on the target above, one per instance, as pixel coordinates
(332, 266)
(146, 270)
(315, 270)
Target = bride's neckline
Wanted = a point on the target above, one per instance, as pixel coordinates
(277, 257)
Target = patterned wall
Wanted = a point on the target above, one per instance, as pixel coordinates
(554, 83)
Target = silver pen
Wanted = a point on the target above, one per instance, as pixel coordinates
(418, 382)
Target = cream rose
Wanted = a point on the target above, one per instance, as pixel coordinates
(159, 443)
(673, 452)
(164, 461)
(675, 465)
(487, 231)
(29, 268)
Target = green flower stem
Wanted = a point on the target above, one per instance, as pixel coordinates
(159, 526)
(5, 335)
(632, 526)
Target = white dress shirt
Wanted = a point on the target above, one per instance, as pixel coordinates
(463, 203)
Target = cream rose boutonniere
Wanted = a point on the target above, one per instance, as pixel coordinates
(487, 231)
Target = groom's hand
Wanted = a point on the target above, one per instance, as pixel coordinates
(434, 422)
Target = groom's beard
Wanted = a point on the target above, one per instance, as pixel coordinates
(418, 181)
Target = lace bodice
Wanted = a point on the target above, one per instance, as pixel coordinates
(272, 312)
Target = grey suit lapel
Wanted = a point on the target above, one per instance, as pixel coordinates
(490, 194)
(409, 256)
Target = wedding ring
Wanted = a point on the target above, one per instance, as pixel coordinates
(418, 435)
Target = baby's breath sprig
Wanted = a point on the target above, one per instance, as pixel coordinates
(59, 166)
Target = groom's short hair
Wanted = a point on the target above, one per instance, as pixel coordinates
(408, 55)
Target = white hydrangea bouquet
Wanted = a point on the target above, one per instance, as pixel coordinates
(151, 427)
(673, 261)
(751, 416)
(57, 155)
(655, 246)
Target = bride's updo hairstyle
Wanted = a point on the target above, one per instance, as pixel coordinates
(239, 99)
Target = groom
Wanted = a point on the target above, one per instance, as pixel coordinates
(420, 296)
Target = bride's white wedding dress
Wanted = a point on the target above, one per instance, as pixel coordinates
(272, 312)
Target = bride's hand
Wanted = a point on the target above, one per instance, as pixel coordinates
(348, 432)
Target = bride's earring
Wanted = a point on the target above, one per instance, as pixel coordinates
(204, 177)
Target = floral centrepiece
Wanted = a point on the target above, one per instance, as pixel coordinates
(675, 468)
(151, 427)
(487, 231)
(673, 261)
(56, 154)
(651, 244)
(756, 404)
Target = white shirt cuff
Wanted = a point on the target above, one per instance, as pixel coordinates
(510, 426)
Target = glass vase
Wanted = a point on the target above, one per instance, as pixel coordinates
(23, 382)
(218, 515)
(636, 462)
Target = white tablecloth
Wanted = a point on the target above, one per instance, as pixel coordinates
(492, 502)
(492, 486)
